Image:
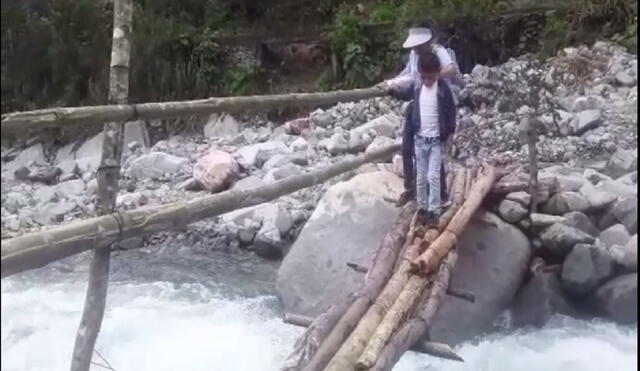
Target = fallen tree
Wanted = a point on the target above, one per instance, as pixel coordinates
(59, 116)
(37, 249)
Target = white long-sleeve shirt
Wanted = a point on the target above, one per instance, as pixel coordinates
(411, 70)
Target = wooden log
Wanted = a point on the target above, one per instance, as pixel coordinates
(327, 326)
(432, 348)
(410, 293)
(543, 185)
(350, 350)
(414, 329)
(430, 259)
(34, 250)
(108, 177)
(53, 117)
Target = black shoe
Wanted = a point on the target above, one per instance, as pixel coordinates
(432, 219)
(405, 197)
(422, 217)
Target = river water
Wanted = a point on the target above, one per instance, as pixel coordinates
(160, 317)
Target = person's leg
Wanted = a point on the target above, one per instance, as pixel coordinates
(444, 196)
(434, 178)
(422, 163)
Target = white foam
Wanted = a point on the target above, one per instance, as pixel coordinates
(165, 327)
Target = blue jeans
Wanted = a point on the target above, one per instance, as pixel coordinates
(428, 170)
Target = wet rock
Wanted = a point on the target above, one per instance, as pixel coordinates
(539, 299)
(559, 239)
(221, 126)
(544, 220)
(565, 202)
(156, 165)
(216, 171)
(581, 221)
(585, 268)
(511, 211)
(618, 299)
(615, 235)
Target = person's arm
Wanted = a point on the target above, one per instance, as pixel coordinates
(448, 66)
(402, 87)
(399, 79)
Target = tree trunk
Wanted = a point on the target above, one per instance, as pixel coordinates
(413, 330)
(430, 259)
(108, 176)
(351, 349)
(34, 250)
(308, 347)
(52, 117)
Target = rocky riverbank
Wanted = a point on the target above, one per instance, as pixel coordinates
(583, 241)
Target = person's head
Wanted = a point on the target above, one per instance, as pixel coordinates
(429, 67)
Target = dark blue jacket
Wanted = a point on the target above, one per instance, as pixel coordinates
(446, 108)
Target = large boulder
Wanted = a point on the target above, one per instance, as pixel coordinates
(581, 221)
(615, 235)
(585, 268)
(622, 162)
(511, 211)
(347, 225)
(565, 202)
(539, 299)
(618, 299)
(216, 171)
(559, 239)
(492, 260)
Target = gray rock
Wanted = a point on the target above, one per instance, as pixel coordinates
(281, 173)
(131, 200)
(622, 162)
(618, 299)
(618, 188)
(321, 118)
(384, 126)
(136, 132)
(247, 183)
(594, 176)
(581, 221)
(300, 144)
(626, 211)
(564, 202)
(523, 198)
(625, 79)
(267, 243)
(629, 179)
(45, 194)
(89, 154)
(626, 256)
(378, 143)
(275, 162)
(511, 211)
(585, 121)
(221, 126)
(69, 169)
(272, 213)
(247, 233)
(586, 103)
(585, 268)
(615, 235)
(14, 201)
(597, 199)
(346, 226)
(337, 144)
(248, 154)
(492, 260)
(156, 165)
(54, 212)
(71, 189)
(539, 299)
(559, 239)
(544, 220)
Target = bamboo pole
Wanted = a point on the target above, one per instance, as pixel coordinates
(412, 290)
(34, 250)
(59, 116)
(430, 259)
(413, 330)
(321, 330)
(108, 176)
(352, 347)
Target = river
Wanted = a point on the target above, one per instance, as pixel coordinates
(165, 312)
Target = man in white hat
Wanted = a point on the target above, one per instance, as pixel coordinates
(420, 39)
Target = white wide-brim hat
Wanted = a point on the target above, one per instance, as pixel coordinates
(417, 36)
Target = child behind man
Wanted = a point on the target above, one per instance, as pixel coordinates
(432, 122)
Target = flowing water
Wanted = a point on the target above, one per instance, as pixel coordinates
(157, 324)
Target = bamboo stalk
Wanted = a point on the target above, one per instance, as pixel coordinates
(161, 110)
(108, 176)
(325, 327)
(413, 330)
(352, 347)
(431, 258)
(34, 250)
(412, 290)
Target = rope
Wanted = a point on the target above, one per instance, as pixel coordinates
(120, 221)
